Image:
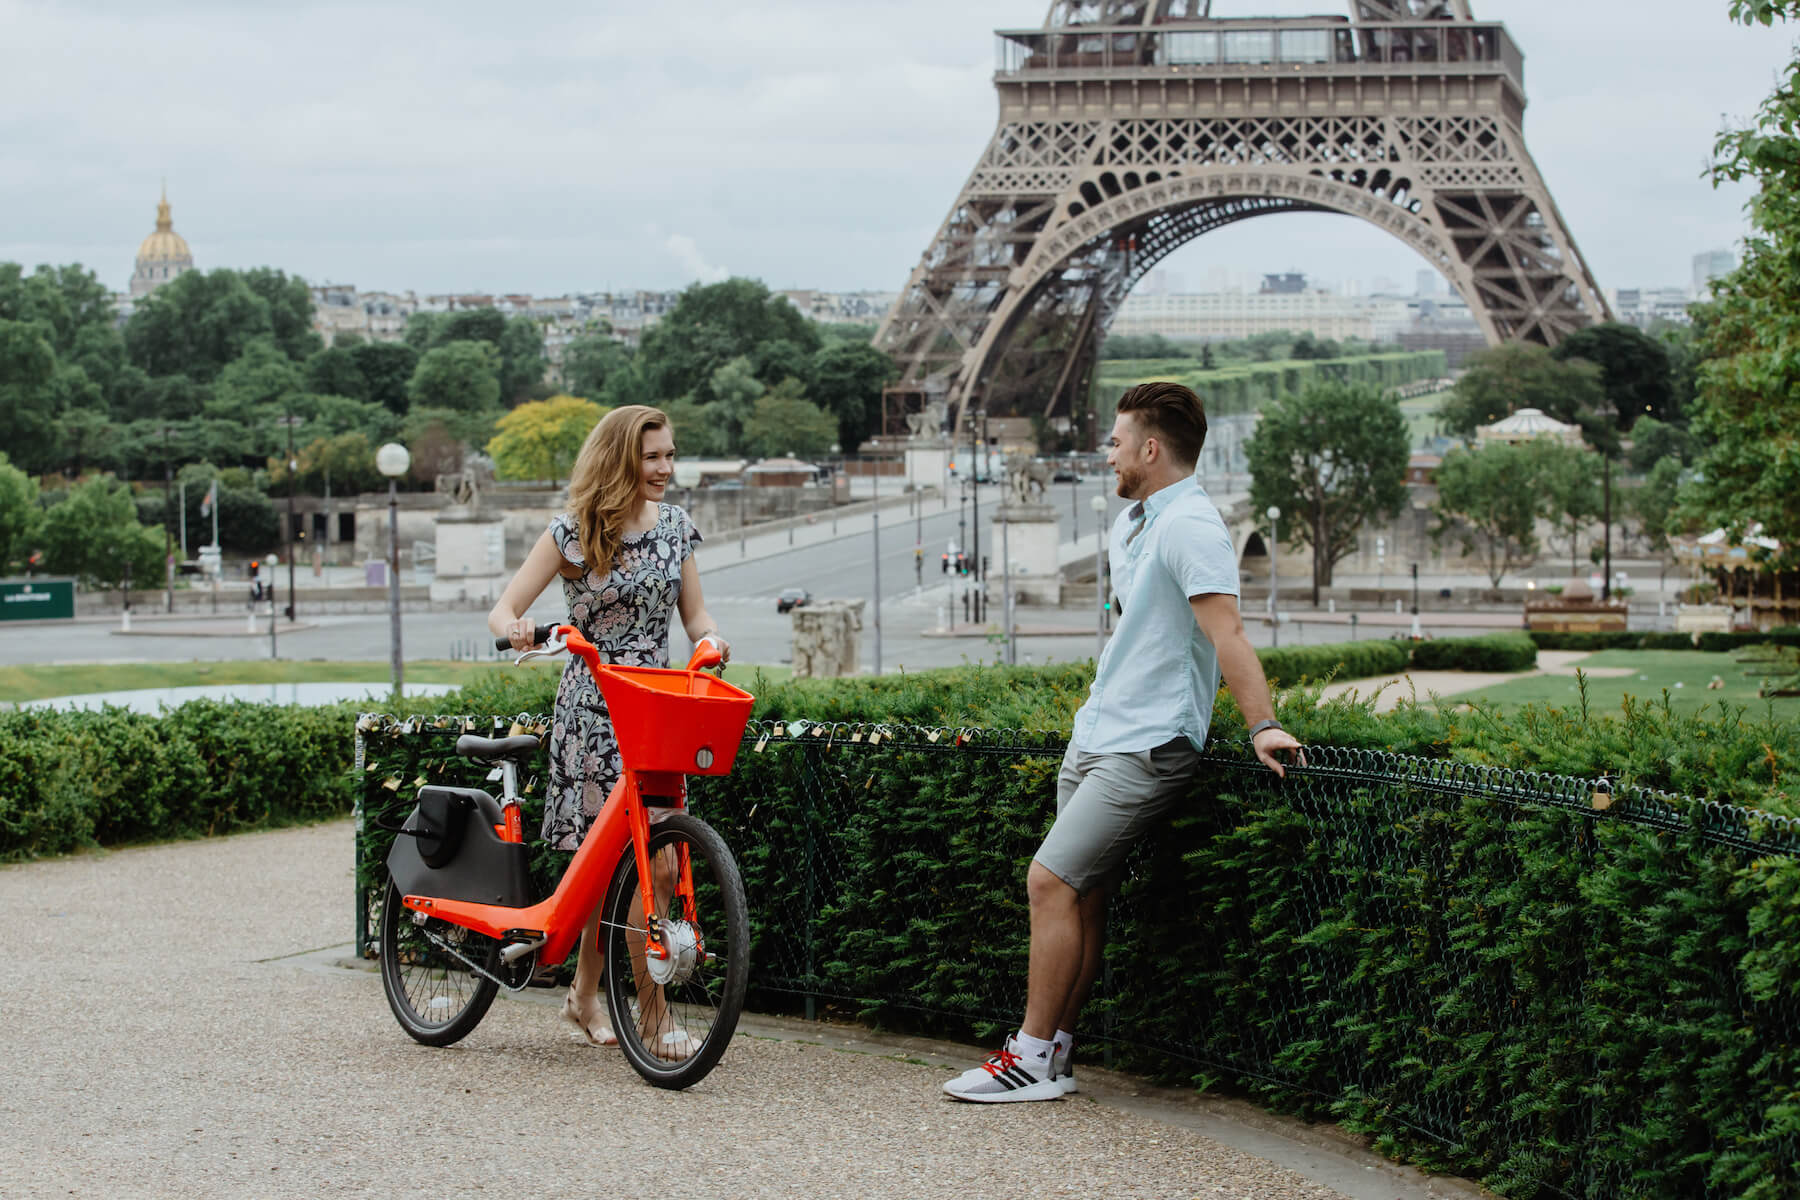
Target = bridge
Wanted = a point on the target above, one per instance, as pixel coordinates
(1128, 128)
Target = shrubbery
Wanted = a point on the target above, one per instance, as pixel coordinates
(1630, 640)
(1496, 652)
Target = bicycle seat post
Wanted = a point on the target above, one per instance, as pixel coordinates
(510, 807)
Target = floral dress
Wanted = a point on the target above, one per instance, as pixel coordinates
(626, 615)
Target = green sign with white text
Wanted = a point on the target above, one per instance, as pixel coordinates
(37, 600)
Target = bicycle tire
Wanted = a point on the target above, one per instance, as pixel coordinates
(704, 1004)
(436, 998)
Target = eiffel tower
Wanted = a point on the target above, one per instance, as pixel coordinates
(1128, 128)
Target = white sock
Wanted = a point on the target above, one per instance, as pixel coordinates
(1066, 1040)
(1035, 1051)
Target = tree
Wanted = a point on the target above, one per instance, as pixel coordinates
(346, 461)
(540, 439)
(1634, 374)
(1489, 500)
(698, 433)
(290, 310)
(387, 370)
(711, 325)
(782, 359)
(196, 324)
(1571, 491)
(1208, 362)
(462, 376)
(784, 421)
(735, 389)
(1306, 346)
(1747, 408)
(1503, 379)
(333, 371)
(590, 361)
(1654, 503)
(28, 393)
(94, 535)
(522, 364)
(847, 383)
(256, 388)
(435, 438)
(1653, 440)
(1333, 458)
(19, 516)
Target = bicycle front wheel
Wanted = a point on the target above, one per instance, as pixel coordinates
(674, 1017)
(435, 995)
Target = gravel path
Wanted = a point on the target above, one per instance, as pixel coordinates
(178, 1021)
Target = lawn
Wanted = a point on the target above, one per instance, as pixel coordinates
(1684, 673)
(40, 682)
(1421, 417)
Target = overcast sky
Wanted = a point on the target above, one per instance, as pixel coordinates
(453, 146)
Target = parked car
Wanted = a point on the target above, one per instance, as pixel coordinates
(1066, 475)
(792, 598)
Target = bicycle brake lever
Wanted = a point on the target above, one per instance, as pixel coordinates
(549, 648)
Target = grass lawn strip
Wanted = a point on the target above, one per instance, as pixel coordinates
(43, 681)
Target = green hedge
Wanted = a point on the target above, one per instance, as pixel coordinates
(1496, 652)
(1342, 660)
(1621, 640)
(69, 780)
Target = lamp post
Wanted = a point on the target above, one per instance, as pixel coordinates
(875, 546)
(168, 548)
(1274, 514)
(1415, 611)
(1098, 504)
(293, 467)
(392, 460)
(978, 457)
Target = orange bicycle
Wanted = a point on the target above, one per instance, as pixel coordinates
(458, 921)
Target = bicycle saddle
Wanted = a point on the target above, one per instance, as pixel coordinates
(490, 749)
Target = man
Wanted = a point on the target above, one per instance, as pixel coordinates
(1137, 738)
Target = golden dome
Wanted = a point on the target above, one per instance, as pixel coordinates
(165, 245)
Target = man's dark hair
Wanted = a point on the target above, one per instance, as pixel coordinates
(1172, 414)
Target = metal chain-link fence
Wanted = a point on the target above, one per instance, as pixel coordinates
(1558, 986)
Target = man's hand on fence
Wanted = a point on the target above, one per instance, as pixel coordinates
(1272, 741)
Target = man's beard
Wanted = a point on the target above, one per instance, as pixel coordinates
(1129, 481)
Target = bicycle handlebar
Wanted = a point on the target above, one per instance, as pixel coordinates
(707, 652)
(538, 639)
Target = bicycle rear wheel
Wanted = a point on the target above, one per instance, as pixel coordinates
(435, 996)
(673, 1032)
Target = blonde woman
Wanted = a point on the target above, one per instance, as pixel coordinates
(626, 560)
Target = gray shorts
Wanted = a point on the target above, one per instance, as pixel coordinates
(1105, 803)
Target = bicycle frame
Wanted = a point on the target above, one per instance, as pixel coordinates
(559, 920)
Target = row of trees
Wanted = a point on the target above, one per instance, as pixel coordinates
(1274, 346)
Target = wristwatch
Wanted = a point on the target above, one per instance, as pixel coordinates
(1257, 728)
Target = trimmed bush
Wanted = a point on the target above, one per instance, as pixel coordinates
(1496, 652)
(1618, 640)
(1288, 665)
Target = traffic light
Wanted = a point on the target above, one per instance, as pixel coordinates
(946, 568)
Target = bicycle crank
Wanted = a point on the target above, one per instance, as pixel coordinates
(682, 941)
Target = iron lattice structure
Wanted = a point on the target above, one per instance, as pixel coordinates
(1130, 127)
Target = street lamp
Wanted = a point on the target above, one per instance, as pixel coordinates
(1273, 512)
(293, 465)
(1415, 611)
(1098, 504)
(392, 460)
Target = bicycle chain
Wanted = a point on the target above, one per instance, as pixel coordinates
(458, 955)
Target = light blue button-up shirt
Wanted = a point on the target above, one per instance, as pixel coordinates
(1158, 675)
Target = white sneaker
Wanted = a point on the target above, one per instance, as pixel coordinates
(1062, 1069)
(1004, 1078)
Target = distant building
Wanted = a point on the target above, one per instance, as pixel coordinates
(1644, 307)
(1290, 283)
(162, 256)
(1231, 316)
(1711, 265)
(1527, 425)
(841, 308)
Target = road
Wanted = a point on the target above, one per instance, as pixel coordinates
(741, 578)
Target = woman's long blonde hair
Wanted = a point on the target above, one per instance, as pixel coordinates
(603, 486)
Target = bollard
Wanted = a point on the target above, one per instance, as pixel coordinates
(1396, 606)
(125, 622)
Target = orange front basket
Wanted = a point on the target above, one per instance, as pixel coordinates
(686, 722)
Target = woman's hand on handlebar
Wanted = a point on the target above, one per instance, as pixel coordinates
(711, 650)
(522, 633)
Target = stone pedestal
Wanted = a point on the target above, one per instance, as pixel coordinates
(927, 462)
(1028, 542)
(471, 557)
(828, 639)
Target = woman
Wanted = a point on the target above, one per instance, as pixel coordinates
(643, 571)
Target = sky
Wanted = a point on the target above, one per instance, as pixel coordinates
(455, 146)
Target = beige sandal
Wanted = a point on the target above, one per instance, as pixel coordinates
(596, 1035)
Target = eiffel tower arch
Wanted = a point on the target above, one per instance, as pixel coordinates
(1127, 128)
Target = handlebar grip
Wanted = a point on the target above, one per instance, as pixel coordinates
(539, 638)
